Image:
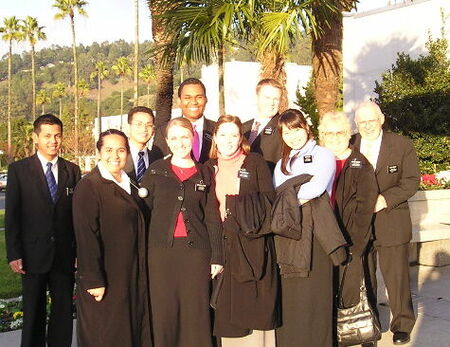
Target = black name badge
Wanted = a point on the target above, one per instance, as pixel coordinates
(307, 159)
(268, 131)
(355, 164)
(244, 174)
(392, 169)
(208, 137)
(200, 187)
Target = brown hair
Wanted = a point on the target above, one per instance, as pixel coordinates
(105, 133)
(291, 119)
(180, 121)
(269, 82)
(244, 145)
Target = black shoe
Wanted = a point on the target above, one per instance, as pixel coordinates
(400, 338)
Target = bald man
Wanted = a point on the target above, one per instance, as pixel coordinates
(394, 161)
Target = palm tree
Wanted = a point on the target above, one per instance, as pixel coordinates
(148, 75)
(67, 8)
(43, 98)
(11, 31)
(136, 52)
(23, 142)
(122, 68)
(59, 92)
(162, 37)
(101, 72)
(33, 33)
(204, 29)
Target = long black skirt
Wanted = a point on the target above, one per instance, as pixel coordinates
(307, 305)
(179, 279)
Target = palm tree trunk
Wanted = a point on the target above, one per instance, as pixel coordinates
(60, 107)
(121, 103)
(33, 82)
(43, 108)
(9, 100)
(221, 55)
(273, 66)
(75, 67)
(99, 97)
(148, 94)
(327, 64)
(136, 52)
(164, 71)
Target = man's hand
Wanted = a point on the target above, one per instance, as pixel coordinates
(380, 204)
(97, 293)
(16, 266)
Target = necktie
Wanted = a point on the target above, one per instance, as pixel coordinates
(196, 145)
(140, 167)
(254, 132)
(51, 182)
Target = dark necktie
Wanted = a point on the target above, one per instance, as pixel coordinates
(254, 132)
(140, 167)
(51, 182)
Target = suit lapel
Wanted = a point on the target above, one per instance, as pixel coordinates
(129, 168)
(38, 173)
(208, 129)
(384, 152)
(63, 176)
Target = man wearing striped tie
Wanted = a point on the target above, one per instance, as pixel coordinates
(141, 123)
(40, 242)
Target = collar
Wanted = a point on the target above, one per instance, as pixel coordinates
(199, 123)
(134, 150)
(309, 145)
(375, 142)
(44, 161)
(124, 184)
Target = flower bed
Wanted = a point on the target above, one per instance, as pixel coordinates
(11, 313)
(440, 180)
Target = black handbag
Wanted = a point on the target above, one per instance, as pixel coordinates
(357, 324)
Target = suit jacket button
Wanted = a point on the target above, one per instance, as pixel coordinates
(190, 243)
(183, 209)
(180, 198)
(52, 238)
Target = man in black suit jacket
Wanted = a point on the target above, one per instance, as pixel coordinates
(262, 131)
(141, 122)
(396, 169)
(40, 241)
(192, 99)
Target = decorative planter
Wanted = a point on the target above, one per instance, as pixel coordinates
(430, 216)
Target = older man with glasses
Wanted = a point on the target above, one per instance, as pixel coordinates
(394, 161)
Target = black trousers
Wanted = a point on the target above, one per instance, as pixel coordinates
(394, 266)
(34, 288)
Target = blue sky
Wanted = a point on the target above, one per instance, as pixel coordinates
(108, 20)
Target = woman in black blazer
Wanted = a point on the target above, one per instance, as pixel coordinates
(246, 310)
(354, 195)
(109, 220)
(185, 242)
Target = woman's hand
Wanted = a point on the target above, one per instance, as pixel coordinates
(97, 293)
(215, 270)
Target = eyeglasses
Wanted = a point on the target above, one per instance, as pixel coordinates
(335, 133)
(371, 122)
(143, 125)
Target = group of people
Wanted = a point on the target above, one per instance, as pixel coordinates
(254, 220)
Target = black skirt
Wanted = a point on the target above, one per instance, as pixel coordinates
(179, 279)
(307, 305)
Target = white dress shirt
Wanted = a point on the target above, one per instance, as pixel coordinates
(44, 162)
(371, 149)
(125, 180)
(134, 152)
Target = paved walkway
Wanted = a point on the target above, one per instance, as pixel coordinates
(431, 296)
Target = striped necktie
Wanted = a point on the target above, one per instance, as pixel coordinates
(140, 167)
(51, 182)
(254, 132)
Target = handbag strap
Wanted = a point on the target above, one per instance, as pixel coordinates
(362, 286)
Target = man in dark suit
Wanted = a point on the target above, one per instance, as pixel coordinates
(262, 132)
(192, 100)
(40, 241)
(141, 129)
(396, 168)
